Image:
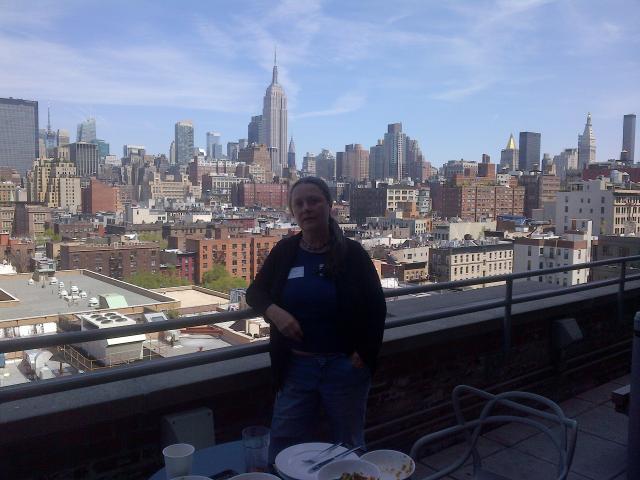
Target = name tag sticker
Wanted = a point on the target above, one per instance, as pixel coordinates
(296, 272)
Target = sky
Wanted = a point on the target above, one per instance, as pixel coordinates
(460, 75)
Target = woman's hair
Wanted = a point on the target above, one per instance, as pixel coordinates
(337, 242)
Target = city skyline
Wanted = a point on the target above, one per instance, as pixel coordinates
(395, 64)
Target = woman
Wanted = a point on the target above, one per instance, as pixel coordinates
(322, 296)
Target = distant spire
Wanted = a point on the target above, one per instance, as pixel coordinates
(292, 146)
(511, 144)
(274, 80)
(48, 118)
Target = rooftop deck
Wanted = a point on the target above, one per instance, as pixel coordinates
(521, 452)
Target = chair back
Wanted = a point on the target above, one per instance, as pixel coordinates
(563, 437)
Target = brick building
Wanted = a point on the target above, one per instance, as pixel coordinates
(242, 256)
(119, 260)
(273, 195)
(539, 190)
(99, 197)
(73, 230)
(183, 262)
(477, 200)
(257, 155)
(31, 220)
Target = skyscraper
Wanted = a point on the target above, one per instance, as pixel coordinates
(253, 130)
(325, 165)
(232, 151)
(172, 153)
(63, 137)
(395, 152)
(291, 156)
(356, 163)
(18, 133)
(529, 155)
(586, 146)
(214, 147)
(509, 156)
(50, 138)
(184, 142)
(414, 160)
(85, 157)
(87, 131)
(628, 138)
(274, 120)
(376, 161)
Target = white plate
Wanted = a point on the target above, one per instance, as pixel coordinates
(290, 461)
(393, 465)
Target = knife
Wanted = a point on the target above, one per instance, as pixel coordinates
(321, 464)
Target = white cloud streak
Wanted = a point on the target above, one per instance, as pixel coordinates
(347, 103)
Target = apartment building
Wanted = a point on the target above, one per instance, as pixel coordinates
(542, 251)
(450, 261)
(99, 197)
(408, 272)
(477, 199)
(117, 260)
(242, 256)
(613, 211)
(31, 220)
(7, 215)
(270, 195)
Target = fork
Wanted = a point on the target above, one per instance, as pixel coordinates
(321, 464)
(321, 454)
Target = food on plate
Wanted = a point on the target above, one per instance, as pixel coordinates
(405, 470)
(356, 476)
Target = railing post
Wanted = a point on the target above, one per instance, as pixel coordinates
(623, 274)
(506, 322)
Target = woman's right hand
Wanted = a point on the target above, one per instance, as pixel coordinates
(284, 322)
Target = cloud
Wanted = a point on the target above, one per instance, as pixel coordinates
(455, 94)
(148, 75)
(347, 103)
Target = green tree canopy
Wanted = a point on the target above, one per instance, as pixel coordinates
(220, 280)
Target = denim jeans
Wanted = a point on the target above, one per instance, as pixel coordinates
(330, 381)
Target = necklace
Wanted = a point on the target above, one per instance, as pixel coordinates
(311, 248)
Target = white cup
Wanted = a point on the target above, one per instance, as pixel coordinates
(178, 459)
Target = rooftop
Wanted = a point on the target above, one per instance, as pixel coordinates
(34, 301)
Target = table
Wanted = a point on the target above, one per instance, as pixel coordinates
(213, 460)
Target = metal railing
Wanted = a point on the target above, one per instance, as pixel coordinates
(139, 369)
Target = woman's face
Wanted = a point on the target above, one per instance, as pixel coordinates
(310, 207)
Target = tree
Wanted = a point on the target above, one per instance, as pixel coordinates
(220, 280)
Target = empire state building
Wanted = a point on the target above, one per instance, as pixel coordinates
(274, 122)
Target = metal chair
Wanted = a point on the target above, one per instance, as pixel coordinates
(563, 438)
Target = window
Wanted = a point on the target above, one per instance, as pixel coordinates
(529, 251)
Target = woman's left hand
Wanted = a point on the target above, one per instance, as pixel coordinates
(356, 360)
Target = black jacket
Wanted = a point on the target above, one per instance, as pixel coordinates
(361, 304)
